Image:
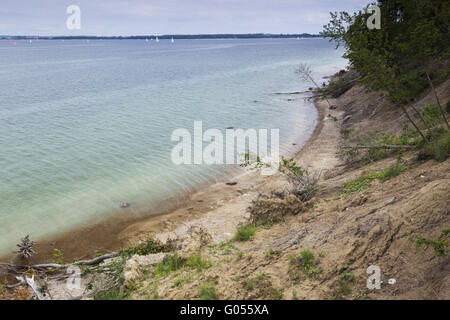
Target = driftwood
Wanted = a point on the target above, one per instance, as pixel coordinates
(296, 92)
(379, 147)
(18, 268)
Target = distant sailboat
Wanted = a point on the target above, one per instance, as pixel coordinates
(31, 41)
(298, 38)
(157, 39)
(146, 40)
(172, 40)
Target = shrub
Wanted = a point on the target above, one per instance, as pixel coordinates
(304, 182)
(207, 291)
(197, 262)
(167, 266)
(148, 247)
(439, 246)
(245, 232)
(438, 148)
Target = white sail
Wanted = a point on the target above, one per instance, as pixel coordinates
(172, 40)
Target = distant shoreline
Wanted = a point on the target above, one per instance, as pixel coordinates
(168, 36)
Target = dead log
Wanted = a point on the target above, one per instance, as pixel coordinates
(379, 147)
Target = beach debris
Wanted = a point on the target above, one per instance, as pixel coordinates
(333, 107)
(230, 127)
(125, 205)
(232, 183)
(294, 144)
(25, 247)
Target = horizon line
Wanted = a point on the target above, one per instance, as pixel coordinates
(179, 36)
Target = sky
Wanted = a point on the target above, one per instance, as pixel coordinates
(143, 17)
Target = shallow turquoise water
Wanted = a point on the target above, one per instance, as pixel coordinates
(85, 126)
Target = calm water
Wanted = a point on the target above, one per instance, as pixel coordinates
(85, 126)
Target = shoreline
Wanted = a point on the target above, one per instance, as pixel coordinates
(116, 232)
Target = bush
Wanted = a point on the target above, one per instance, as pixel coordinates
(148, 247)
(197, 262)
(439, 246)
(304, 182)
(438, 148)
(245, 232)
(207, 291)
(172, 263)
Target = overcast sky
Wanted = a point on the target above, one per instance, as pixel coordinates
(141, 17)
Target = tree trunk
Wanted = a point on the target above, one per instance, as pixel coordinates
(438, 102)
(413, 123)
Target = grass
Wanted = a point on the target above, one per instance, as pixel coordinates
(439, 245)
(438, 148)
(207, 291)
(307, 263)
(146, 248)
(362, 183)
(168, 266)
(347, 274)
(357, 185)
(197, 262)
(245, 232)
(250, 285)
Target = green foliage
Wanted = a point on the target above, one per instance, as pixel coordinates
(406, 137)
(207, 291)
(347, 274)
(393, 59)
(362, 183)
(58, 256)
(438, 148)
(307, 262)
(357, 185)
(169, 265)
(432, 115)
(197, 262)
(338, 87)
(447, 107)
(245, 232)
(115, 293)
(250, 285)
(305, 183)
(439, 246)
(148, 247)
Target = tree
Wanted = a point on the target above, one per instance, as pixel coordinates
(395, 58)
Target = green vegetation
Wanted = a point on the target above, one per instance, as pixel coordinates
(438, 148)
(347, 274)
(169, 265)
(197, 262)
(207, 291)
(396, 58)
(148, 247)
(439, 246)
(307, 263)
(304, 182)
(362, 183)
(58, 256)
(245, 232)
